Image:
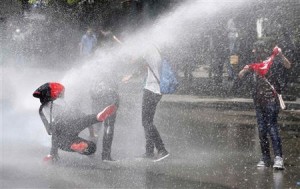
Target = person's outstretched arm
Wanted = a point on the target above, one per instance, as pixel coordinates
(54, 147)
(278, 52)
(44, 119)
(286, 63)
(244, 71)
(53, 156)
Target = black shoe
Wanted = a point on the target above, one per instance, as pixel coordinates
(108, 159)
(161, 155)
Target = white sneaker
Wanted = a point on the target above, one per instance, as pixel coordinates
(261, 163)
(162, 155)
(278, 163)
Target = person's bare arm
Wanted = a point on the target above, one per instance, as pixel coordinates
(286, 63)
(44, 119)
(80, 48)
(54, 147)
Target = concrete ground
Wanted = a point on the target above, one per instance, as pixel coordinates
(210, 148)
(213, 144)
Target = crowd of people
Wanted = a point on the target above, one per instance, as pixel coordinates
(267, 68)
(104, 96)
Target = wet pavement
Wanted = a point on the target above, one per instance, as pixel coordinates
(210, 147)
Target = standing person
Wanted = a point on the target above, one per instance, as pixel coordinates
(88, 43)
(266, 75)
(103, 93)
(67, 122)
(151, 97)
(233, 47)
(220, 52)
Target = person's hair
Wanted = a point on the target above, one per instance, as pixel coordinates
(266, 44)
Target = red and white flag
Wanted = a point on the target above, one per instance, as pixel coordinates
(262, 68)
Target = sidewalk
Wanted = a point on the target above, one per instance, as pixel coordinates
(293, 107)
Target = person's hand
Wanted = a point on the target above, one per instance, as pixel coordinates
(277, 51)
(51, 158)
(126, 78)
(48, 158)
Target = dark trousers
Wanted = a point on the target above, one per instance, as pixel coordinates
(266, 115)
(66, 131)
(153, 139)
(101, 100)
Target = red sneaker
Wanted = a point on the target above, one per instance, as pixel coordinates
(79, 147)
(108, 111)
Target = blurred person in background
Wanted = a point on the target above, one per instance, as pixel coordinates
(88, 43)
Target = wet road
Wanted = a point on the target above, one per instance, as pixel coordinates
(210, 148)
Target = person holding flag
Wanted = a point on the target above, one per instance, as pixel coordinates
(267, 89)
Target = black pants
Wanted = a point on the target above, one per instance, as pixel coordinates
(101, 100)
(153, 139)
(66, 130)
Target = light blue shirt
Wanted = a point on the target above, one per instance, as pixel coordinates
(88, 43)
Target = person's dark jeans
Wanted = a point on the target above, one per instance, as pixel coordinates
(266, 115)
(108, 136)
(153, 139)
(101, 100)
(66, 131)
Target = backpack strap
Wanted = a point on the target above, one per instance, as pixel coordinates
(158, 81)
(272, 87)
(279, 96)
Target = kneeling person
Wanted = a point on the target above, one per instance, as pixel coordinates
(67, 122)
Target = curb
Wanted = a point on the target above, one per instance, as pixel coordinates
(218, 103)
